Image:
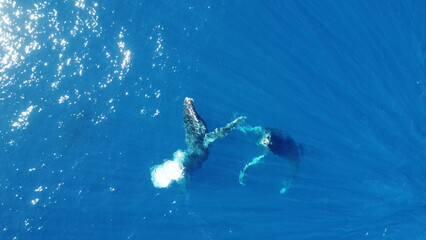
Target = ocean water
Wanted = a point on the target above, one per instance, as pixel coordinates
(91, 98)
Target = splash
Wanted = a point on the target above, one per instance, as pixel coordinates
(171, 170)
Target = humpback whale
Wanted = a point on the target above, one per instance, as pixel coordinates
(277, 143)
(198, 140)
(281, 144)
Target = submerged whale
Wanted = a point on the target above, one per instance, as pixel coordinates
(281, 144)
(198, 140)
(273, 141)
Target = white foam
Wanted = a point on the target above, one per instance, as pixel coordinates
(171, 170)
(179, 156)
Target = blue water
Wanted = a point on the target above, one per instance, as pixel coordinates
(91, 98)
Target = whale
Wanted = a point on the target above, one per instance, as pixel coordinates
(198, 140)
(273, 141)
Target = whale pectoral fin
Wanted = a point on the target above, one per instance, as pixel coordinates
(195, 127)
(243, 173)
(194, 124)
(223, 131)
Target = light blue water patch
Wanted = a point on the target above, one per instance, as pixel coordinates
(91, 98)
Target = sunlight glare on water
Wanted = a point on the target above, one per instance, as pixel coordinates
(55, 62)
(25, 33)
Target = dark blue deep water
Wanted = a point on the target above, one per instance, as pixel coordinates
(91, 98)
